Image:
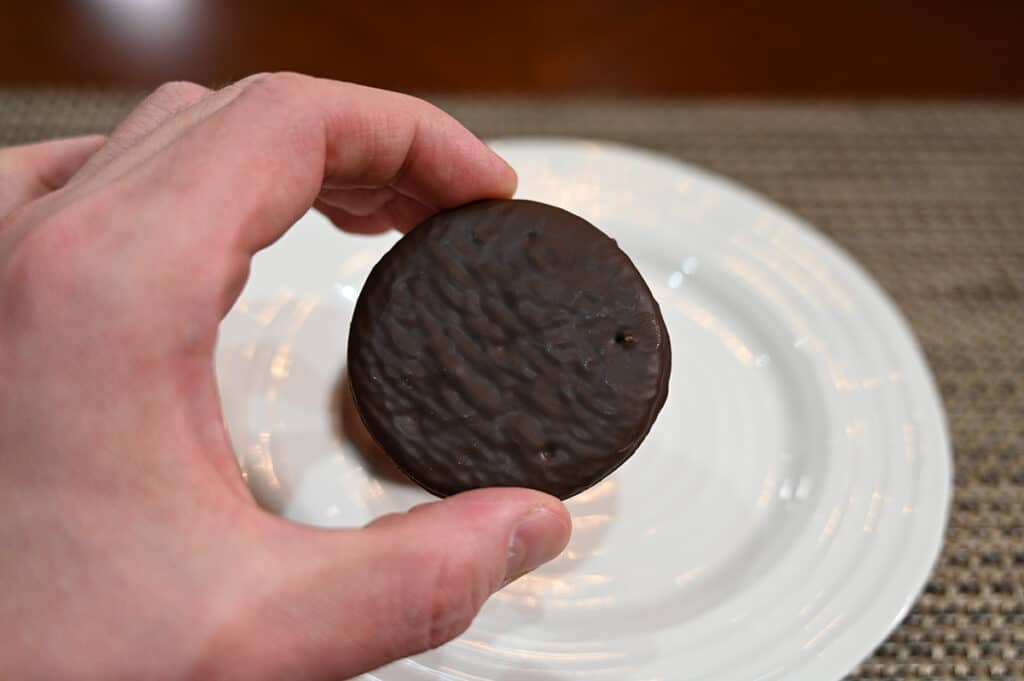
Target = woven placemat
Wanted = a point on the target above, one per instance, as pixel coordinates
(930, 198)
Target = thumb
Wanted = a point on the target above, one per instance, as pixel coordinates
(408, 582)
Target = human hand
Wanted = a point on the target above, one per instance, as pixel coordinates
(129, 545)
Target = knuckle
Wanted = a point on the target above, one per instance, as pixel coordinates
(446, 599)
(280, 84)
(289, 104)
(176, 95)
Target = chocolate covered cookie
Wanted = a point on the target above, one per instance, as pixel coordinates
(507, 343)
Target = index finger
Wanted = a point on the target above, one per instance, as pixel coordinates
(243, 175)
(29, 171)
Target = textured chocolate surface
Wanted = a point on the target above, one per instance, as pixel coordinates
(508, 343)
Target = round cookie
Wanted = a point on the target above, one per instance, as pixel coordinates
(507, 343)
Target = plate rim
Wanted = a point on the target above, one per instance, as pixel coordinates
(844, 657)
(822, 242)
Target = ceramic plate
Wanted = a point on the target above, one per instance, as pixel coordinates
(780, 518)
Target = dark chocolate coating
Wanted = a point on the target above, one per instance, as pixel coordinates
(507, 343)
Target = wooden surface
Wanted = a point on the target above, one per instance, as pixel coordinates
(607, 47)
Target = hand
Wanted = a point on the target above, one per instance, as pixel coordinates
(129, 545)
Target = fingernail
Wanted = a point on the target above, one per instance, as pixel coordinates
(539, 537)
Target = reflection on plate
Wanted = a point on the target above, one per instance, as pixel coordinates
(776, 524)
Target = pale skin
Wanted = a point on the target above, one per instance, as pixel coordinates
(130, 547)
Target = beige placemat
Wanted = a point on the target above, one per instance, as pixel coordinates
(930, 198)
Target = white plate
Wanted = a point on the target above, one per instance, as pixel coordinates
(778, 521)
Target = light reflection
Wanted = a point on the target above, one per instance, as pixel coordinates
(459, 674)
(523, 653)
(262, 460)
(803, 488)
(690, 264)
(349, 293)
(813, 641)
(806, 609)
(675, 280)
(148, 24)
(757, 281)
(373, 489)
(587, 522)
(688, 576)
(801, 263)
(800, 492)
(545, 585)
(506, 595)
(786, 490)
(874, 510)
(599, 491)
(358, 262)
(831, 525)
(303, 309)
(281, 362)
(839, 378)
(269, 312)
(767, 492)
(595, 603)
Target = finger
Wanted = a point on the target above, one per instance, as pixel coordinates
(162, 119)
(401, 213)
(164, 103)
(285, 136)
(342, 219)
(360, 201)
(180, 107)
(348, 602)
(434, 567)
(33, 170)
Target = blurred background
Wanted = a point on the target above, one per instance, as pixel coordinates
(742, 48)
